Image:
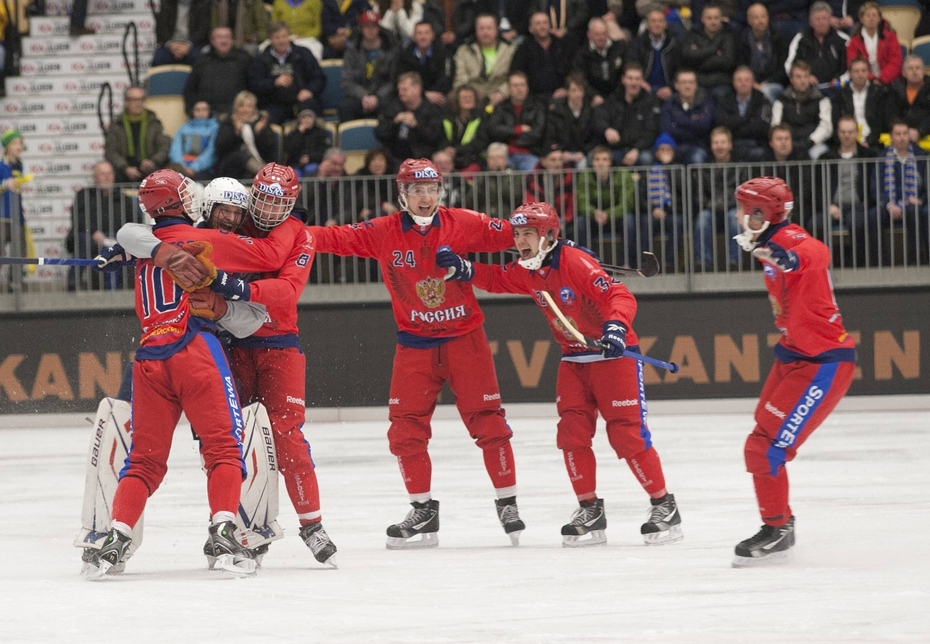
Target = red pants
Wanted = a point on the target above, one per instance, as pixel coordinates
(197, 381)
(615, 389)
(419, 374)
(795, 400)
(276, 378)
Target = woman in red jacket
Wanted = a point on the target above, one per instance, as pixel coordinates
(875, 40)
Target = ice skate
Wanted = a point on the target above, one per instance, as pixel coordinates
(587, 526)
(322, 547)
(771, 545)
(664, 522)
(422, 520)
(89, 562)
(509, 517)
(230, 555)
(108, 557)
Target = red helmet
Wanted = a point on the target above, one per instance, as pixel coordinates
(166, 193)
(417, 171)
(770, 196)
(274, 194)
(540, 216)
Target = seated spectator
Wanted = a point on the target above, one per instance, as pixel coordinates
(193, 149)
(177, 51)
(661, 199)
(904, 193)
(806, 111)
(629, 120)
(286, 77)
(367, 69)
(484, 63)
(717, 206)
(711, 52)
(552, 181)
(375, 188)
(305, 145)
(218, 75)
(304, 18)
(453, 188)
(409, 126)
(570, 122)
(464, 134)
(851, 190)
(875, 41)
(601, 61)
(863, 100)
(775, 162)
(431, 61)
(97, 212)
(688, 118)
(248, 20)
(136, 144)
(498, 191)
(763, 50)
(543, 58)
(244, 142)
(520, 122)
(821, 46)
(340, 18)
(747, 114)
(658, 53)
(331, 197)
(511, 17)
(604, 195)
(568, 19)
(908, 98)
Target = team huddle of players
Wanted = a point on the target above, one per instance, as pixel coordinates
(189, 280)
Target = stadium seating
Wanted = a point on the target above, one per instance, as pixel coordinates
(167, 80)
(358, 135)
(903, 19)
(333, 130)
(921, 47)
(169, 110)
(332, 95)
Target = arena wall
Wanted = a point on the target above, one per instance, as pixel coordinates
(66, 361)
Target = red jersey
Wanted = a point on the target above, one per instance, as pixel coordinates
(428, 310)
(803, 303)
(586, 295)
(280, 290)
(162, 306)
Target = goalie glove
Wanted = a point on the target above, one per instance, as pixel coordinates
(189, 266)
(110, 257)
(231, 288)
(204, 303)
(782, 259)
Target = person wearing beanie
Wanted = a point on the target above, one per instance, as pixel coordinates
(305, 146)
(661, 192)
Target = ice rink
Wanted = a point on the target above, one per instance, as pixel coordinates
(861, 573)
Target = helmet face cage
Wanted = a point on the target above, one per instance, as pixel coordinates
(414, 171)
(166, 193)
(766, 198)
(228, 192)
(545, 220)
(274, 195)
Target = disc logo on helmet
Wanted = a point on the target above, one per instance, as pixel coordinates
(273, 189)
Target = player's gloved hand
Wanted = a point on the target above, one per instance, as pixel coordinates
(784, 260)
(229, 287)
(110, 257)
(205, 303)
(459, 267)
(189, 266)
(614, 339)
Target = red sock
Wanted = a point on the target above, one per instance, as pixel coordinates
(772, 494)
(129, 501)
(582, 471)
(417, 472)
(498, 461)
(647, 468)
(304, 491)
(224, 483)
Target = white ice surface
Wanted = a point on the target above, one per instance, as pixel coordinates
(860, 491)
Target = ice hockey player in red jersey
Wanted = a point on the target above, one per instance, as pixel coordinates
(440, 339)
(588, 381)
(814, 359)
(180, 366)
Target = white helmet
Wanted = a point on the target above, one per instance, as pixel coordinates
(225, 191)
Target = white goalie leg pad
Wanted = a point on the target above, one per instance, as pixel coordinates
(109, 447)
(258, 501)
